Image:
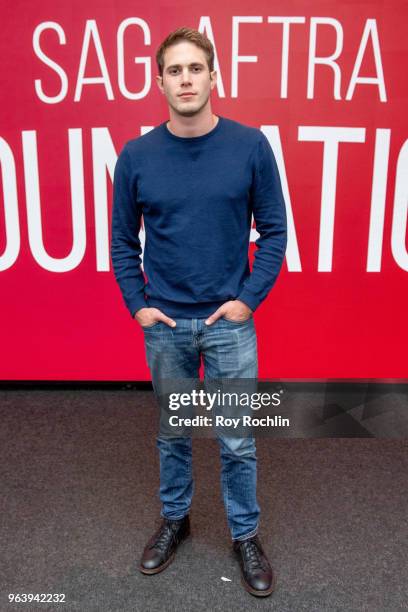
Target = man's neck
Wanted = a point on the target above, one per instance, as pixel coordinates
(189, 127)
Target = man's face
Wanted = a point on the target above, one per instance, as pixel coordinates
(186, 81)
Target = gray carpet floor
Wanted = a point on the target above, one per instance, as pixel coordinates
(79, 480)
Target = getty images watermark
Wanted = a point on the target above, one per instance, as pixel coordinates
(229, 409)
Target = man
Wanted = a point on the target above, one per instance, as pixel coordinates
(197, 179)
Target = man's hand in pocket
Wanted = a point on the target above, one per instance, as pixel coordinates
(234, 310)
(146, 317)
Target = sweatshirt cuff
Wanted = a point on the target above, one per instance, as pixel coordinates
(249, 299)
(136, 304)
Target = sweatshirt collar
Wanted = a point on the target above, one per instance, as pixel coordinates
(191, 139)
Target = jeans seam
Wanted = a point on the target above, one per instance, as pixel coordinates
(247, 535)
(228, 498)
(188, 460)
(174, 518)
(189, 464)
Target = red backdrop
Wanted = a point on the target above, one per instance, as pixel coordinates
(326, 81)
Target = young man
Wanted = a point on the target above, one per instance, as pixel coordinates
(197, 179)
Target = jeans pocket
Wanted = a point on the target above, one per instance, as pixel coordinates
(155, 324)
(237, 322)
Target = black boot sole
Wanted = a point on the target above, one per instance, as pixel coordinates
(158, 569)
(264, 593)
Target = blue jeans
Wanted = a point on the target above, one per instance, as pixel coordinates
(228, 350)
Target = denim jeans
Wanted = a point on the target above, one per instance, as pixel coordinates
(228, 350)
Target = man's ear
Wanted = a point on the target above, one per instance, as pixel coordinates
(159, 81)
(213, 78)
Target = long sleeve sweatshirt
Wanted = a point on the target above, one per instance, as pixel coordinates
(197, 196)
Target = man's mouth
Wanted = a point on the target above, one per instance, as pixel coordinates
(186, 95)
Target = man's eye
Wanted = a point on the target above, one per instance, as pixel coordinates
(197, 68)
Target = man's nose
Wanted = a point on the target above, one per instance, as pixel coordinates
(185, 76)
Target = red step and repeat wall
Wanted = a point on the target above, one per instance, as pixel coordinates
(325, 81)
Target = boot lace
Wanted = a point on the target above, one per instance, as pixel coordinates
(164, 537)
(253, 556)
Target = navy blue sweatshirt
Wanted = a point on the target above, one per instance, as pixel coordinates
(197, 196)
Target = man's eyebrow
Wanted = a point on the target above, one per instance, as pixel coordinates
(179, 65)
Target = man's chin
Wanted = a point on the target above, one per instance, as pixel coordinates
(189, 109)
(188, 112)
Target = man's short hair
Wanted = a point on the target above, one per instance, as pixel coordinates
(189, 35)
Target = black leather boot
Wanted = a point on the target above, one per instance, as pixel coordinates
(257, 575)
(160, 550)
